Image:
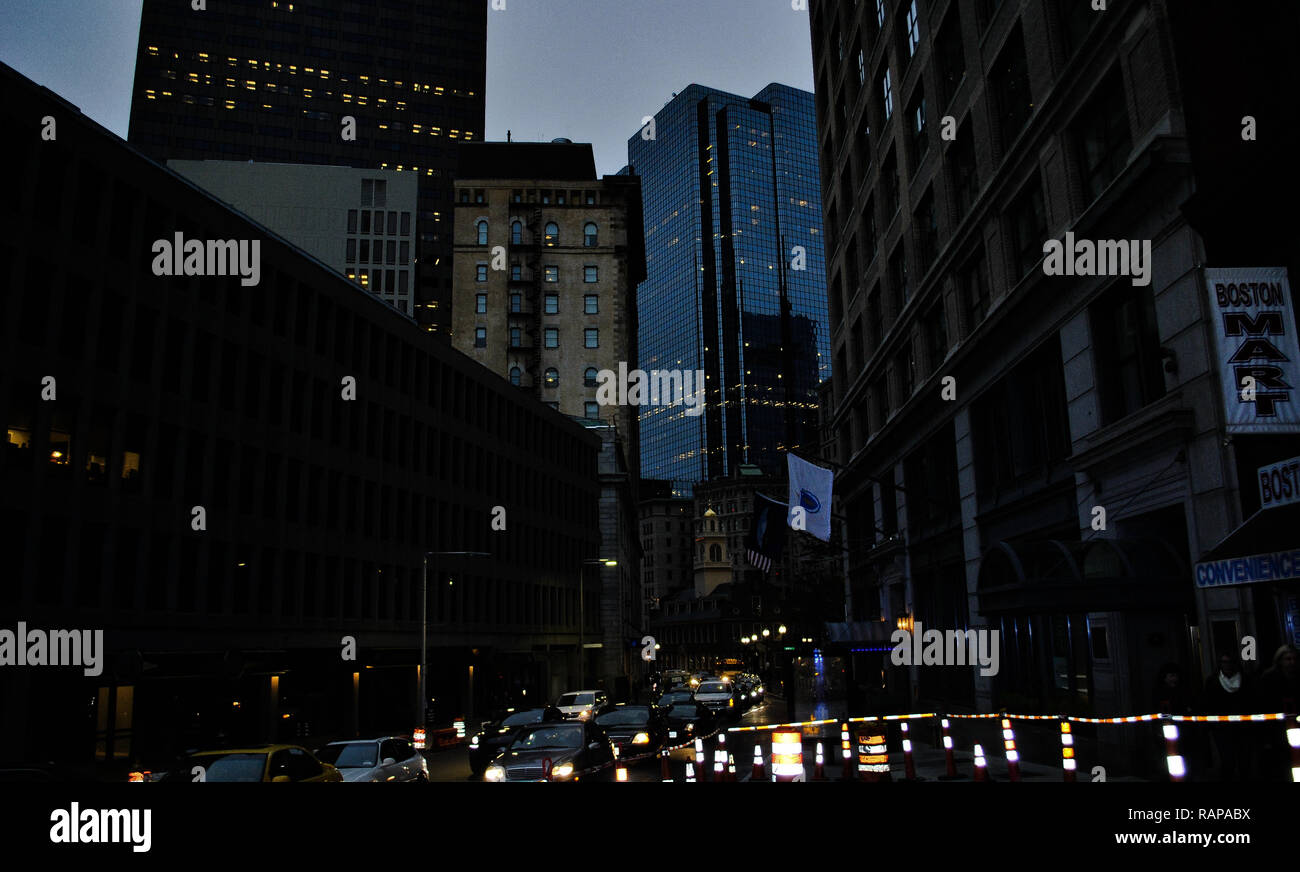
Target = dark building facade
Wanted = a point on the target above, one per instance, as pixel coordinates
(233, 481)
(956, 140)
(734, 279)
(273, 82)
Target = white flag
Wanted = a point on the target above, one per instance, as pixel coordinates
(810, 493)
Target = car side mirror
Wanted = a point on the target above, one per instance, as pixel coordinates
(595, 746)
(279, 778)
(388, 761)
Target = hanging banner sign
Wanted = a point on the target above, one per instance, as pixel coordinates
(1279, 483)
(1254, 329)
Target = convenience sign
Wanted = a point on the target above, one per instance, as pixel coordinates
(1279, 483)
(1278, 566)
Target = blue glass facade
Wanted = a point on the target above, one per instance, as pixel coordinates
(735, 280)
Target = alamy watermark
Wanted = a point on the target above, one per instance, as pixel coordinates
(946, 648)
(658, 387)
(24, 647)
(212, 257)
(1103, 257)
(77, 825)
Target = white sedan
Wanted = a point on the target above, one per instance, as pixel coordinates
(391, 758)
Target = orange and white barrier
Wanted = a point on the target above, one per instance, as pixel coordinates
(1067, 752)
(787, 756)
(1013, 756)
(417, 738)
(873, 756)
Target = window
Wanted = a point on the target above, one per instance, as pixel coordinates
(918, 142)
(1028, 229)
(913, 30)
(552, 233)
(905, 369)
(1126, 345)
(1076, 20)
(552, 337)
(592, 337)
(889, 184)
(480, 337)
(975, 291)
(480, 304)
(936, 336)
(592, 410)
(964, 175)
(887, 96)
(589, 235)
(874, 319)
(589, 274)
(926, 222)
(880, 13)
(352, 221)
(862, 68)
(1010, 85)
(1102, 133)
(951, 56)
(552, 377)
(516, 303)
(480, 272)
(551, 273)
(898, 279)
(589, 377)
(552, 304)
(516, 273)
(516, 374)
(516, 337)
(352, 251)
(591, 304)
(516, 233)
(406, 223)
(869, 240)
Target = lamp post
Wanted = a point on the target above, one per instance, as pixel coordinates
(582, 612)
(424, 620)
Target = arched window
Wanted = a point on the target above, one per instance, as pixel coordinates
(552, 233)
(589, 377)
(715, 553)
(589, 235)
(552, 378)
(482, 232)
(517, 233)
(515, 374)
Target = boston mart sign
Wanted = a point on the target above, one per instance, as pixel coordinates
(1278, 566)
(1258, 358)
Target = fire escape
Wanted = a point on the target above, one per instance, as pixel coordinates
(529, 317)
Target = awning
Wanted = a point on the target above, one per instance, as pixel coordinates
(1266, 547)
(1101, 575)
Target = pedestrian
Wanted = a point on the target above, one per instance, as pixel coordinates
(1279, 691)
(1229, 692)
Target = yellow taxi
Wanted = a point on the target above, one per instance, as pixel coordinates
(274, 763)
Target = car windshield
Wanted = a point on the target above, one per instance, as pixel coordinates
(682, 711)
(558, 736)
(351, 755)
(221, 767)
(714, 687)
(670, 698)
(518, 719)
(577, 699)
(624, 717)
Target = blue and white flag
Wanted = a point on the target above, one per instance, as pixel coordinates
(810, 491)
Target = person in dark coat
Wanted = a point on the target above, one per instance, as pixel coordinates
(1229, 692)
(1171, 695)
(1279, 691)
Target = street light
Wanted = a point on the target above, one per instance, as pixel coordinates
(781, 629)
(582, 612)
(766, 632)
(424, 618)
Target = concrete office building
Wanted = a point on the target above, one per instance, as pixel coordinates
(348, 83)
(359, 222)
(956, 139)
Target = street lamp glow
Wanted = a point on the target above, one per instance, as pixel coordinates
(766, 632)
(744, 640)
(781, 629)
(611, 562)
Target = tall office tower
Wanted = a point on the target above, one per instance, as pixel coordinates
(735, 284)
(278, 81)
(1052, 453)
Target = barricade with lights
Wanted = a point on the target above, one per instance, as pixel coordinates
(787, 756)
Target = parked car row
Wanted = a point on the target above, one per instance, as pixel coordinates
(384, 759)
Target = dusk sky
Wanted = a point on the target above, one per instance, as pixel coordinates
(589, 70)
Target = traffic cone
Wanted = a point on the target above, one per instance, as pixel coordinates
(719, 764)
(1013, 756)
(665, 773)
(909, 768)
(819, 772)
(847, 753)
(951, 763)
(1293, 739)
(981, 767)
(757, 773)
(1177, 768)
(699, 759)
(731, 767)
(690, 773)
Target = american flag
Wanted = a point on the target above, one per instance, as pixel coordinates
(766, 537)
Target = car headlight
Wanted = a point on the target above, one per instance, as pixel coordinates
(690, 726)
(641, 739)
(564, 770)
(473, 743)
(495, 773)
(584, 714)
(730, 703)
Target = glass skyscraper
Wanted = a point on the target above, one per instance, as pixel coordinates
(735, 281)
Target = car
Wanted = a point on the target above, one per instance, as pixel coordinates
(564, 751)
(687, 721)
(681, 694)
(635, 730)
(582, 704)
(390, 758)
(718, 696)
(495, 735)
(260, 763)
(675, 678)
